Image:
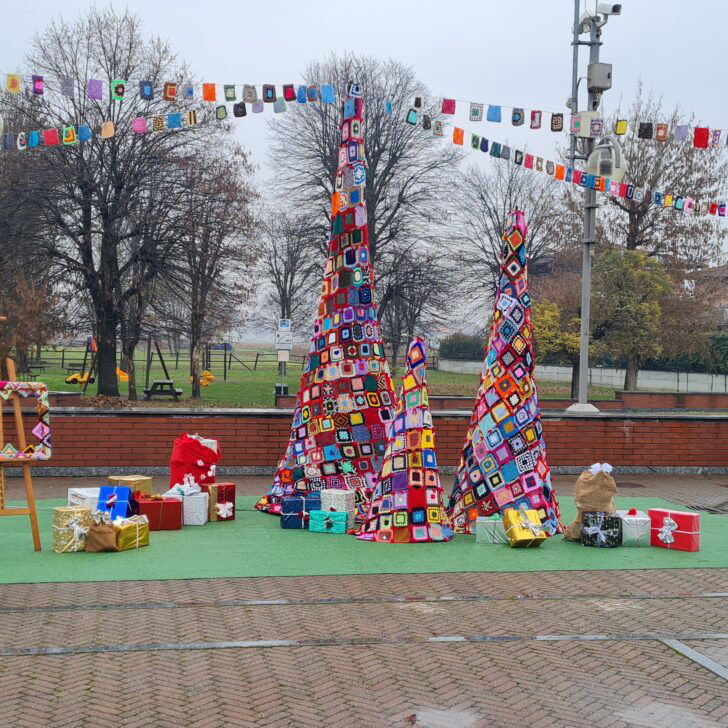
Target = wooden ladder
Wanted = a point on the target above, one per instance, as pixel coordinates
(24, 464)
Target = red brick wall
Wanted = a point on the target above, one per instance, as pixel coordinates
(673, 400)
(124, 439)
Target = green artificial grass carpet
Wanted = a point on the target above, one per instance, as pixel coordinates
(255, 545)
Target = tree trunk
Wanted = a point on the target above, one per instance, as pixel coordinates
(631, 373)
(130, 369)
(195, 366)
(106, 326)
(575, 378)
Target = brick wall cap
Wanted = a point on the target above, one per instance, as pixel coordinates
(437, 414)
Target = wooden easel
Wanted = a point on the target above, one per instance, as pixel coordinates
(24, 464)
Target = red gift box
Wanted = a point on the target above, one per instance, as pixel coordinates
(222, 497)
(679, 530)
(164, 514)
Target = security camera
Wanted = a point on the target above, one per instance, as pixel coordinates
(607, 160)
(600, 17)
(609, 9)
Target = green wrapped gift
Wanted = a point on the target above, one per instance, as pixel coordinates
(328, 521)
(490, 530)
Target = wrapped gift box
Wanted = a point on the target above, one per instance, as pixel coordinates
(603, 530)
(490, 530)
(295, 510)
(114, 499)
(195, 509)
(87, 497)
(164, 514)
(70, 527)
(339, 500)
(131, 533)
(523, 528)
(679, 530)
(221, 506)
(101, 533)
(137, 483)
(328, 521)
(635, 527)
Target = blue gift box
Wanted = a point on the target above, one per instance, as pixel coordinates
(121, 506)
(295, 510)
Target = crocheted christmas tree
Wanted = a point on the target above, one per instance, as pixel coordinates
(345, 401)
(503, 462)
(407, 505)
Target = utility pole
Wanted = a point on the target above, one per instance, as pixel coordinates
(595, 22)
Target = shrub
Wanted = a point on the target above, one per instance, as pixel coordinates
(463, 346)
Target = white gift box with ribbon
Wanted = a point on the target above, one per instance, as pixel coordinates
(86, 497)
(635, 528)
(195, 504)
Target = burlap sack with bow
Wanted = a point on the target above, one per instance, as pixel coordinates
(595, 490)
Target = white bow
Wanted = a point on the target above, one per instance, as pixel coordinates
(187, 487)
(604, 467)
(225, 510)
(665, 533)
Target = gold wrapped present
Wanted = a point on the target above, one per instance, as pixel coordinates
(523, 528)
(131, 533)
(70, 526)
(141, 483)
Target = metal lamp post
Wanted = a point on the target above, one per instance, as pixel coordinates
(598, 80)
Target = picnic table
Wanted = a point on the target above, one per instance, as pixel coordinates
(162, 388)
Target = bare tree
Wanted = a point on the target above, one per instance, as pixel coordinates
(290, 261)
(407, 172)
(212, 271)
(103, 202)
(419, 292)
(672, 166)
(485, 198)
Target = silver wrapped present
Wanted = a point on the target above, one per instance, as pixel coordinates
(635, 528)
(490, 530)
(339, 500)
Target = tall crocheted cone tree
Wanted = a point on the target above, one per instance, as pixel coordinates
(407, 505)
(503, 462)
(345, 401)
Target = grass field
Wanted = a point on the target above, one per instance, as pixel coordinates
(247, 388)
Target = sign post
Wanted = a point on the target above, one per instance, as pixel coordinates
(284, 344)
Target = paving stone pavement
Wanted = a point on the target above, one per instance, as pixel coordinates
(435, 650)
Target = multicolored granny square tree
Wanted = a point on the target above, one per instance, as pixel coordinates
(345, 401)
(503, 463)
(407, 505)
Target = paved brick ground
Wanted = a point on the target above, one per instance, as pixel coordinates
(685, 489)
(551, 648)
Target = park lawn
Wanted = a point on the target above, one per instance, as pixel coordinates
(247, 388)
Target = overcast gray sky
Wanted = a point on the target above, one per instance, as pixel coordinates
(512, 53)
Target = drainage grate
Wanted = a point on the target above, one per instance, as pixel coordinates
(629, 485)
(720, 509)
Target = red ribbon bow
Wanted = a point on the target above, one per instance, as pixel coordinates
(632, 512)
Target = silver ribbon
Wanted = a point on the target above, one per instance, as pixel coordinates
(600, 532)
(536, 529)
(79, 532)
(102, 517)
(665, 533)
